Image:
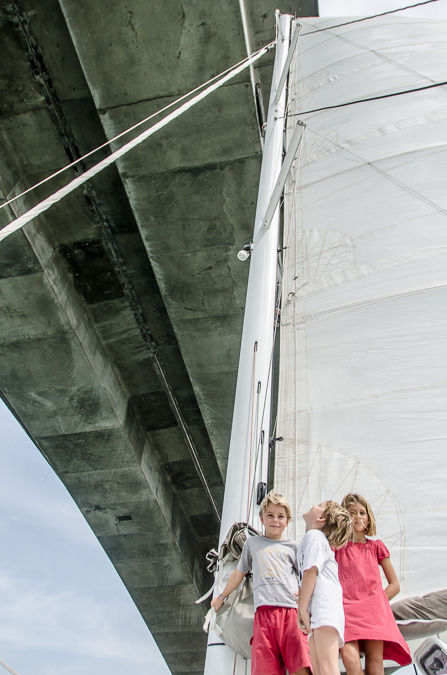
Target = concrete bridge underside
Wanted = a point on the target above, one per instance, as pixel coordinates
(121, 307)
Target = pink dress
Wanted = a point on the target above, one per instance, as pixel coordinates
(368, 614)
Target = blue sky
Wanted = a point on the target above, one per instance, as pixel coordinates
(64, 608)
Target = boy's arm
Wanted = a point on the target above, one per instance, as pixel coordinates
(232, 583)
(307, 589)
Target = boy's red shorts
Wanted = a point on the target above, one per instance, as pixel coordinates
(277, 642)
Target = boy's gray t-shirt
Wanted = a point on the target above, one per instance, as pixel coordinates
(274, 565)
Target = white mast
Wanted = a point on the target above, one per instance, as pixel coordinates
(251, 415)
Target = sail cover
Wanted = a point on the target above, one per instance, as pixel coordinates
(419, 617)
(363, 375)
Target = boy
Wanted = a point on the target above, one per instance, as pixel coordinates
(277, 642)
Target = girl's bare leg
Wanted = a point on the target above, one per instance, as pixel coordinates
(350, 655)
(374, 657)
(314, 656)
(323, 647)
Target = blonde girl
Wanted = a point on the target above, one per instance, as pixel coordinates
(370, 624)
(320, 608)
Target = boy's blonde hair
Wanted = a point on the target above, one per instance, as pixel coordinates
(338, 526)
(350, 499)
(279, 500)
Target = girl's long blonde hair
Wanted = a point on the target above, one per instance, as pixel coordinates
(351, 498)
(338, 526)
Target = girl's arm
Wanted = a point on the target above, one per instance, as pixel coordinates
(393, 587)
(233, 582)
(307, 589)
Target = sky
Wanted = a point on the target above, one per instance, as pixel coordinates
(64, 609)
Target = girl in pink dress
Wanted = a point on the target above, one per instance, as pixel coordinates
(370, 626)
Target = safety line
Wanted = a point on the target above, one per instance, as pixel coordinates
(79, 180)
(368, 100)
(367, 18)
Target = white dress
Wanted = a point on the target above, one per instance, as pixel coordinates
(326, 605)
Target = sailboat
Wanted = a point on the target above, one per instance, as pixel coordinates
(352, 290)
(360, 286)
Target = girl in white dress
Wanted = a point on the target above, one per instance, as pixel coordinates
(320, 609)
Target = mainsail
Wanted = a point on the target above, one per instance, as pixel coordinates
(363, 375)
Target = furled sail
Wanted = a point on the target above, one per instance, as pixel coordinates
(363, 374)
(419, 617)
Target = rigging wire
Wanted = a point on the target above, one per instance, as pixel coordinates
(125, 132)
(79, 180)
(8, 668)
(294, 177)
(259, 441)
(270, 370)
(224, 76)
(269, 375)
(367, 18)
(368, 100)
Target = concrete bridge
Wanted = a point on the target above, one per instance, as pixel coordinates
(121, 307)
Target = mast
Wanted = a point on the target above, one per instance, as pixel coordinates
(251, 417)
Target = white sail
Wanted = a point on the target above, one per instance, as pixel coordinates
(363, 377)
